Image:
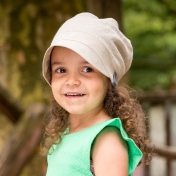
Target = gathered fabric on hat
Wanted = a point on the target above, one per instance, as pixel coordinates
(98, 41)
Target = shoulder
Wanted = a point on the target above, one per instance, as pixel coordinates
(110, 153)
(110, 137)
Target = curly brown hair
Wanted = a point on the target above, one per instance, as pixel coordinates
(119, 102)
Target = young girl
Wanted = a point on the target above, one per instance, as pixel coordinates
(96, 128)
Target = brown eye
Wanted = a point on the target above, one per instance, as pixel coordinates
(61, 70)
(87, 69)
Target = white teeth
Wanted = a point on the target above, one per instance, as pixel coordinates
(73, 94)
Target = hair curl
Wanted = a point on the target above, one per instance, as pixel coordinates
(119, 102)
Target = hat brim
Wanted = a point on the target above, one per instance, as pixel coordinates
(84, 51)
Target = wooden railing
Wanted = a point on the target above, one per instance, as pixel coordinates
(166, 100)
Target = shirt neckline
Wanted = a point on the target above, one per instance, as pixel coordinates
(67, 134)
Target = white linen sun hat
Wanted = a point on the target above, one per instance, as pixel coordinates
(98, 41)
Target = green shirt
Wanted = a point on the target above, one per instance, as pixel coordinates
(72, 156)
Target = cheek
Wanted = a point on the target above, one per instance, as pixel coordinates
(55, 88)
(104, 84)
(100, 88)
(55, 95)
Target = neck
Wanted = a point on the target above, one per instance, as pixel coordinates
(80, 122)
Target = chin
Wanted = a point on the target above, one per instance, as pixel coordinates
(77, 111)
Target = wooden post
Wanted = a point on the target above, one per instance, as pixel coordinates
(173, 134)
(168, 133)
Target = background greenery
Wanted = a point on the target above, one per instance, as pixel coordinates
(151, 26)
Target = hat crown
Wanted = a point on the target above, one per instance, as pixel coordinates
(99, 41)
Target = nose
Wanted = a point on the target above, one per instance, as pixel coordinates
(73, 79)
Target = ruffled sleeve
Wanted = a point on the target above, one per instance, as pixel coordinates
(134, 153)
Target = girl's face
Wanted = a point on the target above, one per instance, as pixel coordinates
(77, 86)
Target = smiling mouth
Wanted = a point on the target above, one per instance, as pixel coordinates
(74, 95)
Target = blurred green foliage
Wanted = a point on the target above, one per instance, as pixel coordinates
(151, 26)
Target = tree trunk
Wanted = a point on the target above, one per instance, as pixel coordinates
(107, 9)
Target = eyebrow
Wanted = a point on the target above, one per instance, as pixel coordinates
(85, 62)
(59, 63)
(56, 63)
